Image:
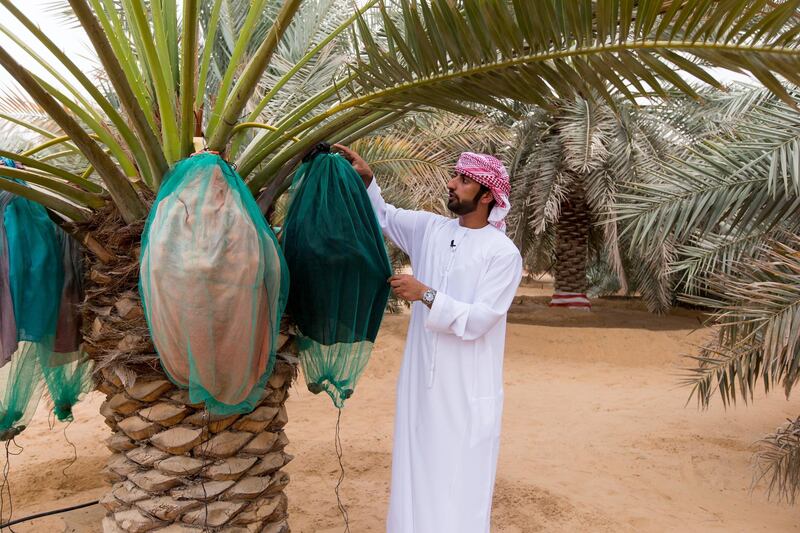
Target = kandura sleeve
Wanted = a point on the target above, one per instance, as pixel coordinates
(469, 321)
(403, 227)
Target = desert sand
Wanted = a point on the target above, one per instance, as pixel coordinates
(597, 436)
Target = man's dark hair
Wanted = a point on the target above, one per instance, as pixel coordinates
(484, 189)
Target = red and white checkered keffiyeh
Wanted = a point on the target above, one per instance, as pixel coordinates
(490, 172)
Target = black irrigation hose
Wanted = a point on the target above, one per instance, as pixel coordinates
(48, 513)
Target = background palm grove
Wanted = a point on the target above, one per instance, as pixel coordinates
(631, 172)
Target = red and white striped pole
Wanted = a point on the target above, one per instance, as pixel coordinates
(572, 300)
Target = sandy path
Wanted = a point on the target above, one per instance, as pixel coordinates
(596, 437)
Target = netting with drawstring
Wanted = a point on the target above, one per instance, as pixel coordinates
(340, 270)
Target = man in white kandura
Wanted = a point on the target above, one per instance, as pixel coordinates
(450, 389)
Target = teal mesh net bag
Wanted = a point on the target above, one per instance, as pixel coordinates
(32, 267)
(68, 371)
(214, 285)
(336, 254)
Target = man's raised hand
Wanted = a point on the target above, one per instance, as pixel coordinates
(359, 165)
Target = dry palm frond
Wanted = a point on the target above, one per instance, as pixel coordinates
(778, 462)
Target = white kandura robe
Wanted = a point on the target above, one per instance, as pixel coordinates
(450, 389)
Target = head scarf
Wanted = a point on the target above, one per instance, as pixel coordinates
(490, 172)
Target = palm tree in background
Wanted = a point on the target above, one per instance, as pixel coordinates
(568, 165)
(731, 209)
(298, 73)
(587, 153)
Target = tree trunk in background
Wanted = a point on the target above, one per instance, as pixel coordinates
(572, 249)
(174, 468)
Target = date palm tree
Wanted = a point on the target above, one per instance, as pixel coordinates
(568, 166)
(594, 151)
(267, 107)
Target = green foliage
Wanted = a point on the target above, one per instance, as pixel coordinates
(320, 70)
(729, 207)
(600, 149)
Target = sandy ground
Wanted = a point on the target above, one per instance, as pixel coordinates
(597, 436)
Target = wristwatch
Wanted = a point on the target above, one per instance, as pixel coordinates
(428, 297)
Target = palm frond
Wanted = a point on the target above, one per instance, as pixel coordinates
(457, 133)
(440, 54)
(528, 133)
(16, 109)
(563, 48)
(723, 198)
(232, 19)
(445, 54)
(757, 313)
(778, 462)
(652, 276)
(752, 181)
(585, 128)
(719, 254)
(551, 184)
(715, 113)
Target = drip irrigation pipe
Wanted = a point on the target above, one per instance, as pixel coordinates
(48, 513)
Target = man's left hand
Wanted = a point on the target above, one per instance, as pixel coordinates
(407, 287)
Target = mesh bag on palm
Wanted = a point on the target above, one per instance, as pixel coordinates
(213, 283)
(336, 254)
(21, 382)
(68, 371)
(34, 302)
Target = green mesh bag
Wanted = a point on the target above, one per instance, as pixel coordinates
(22, 386)
(214, 284)
(32, 264)
(68, 370)
(340, 271)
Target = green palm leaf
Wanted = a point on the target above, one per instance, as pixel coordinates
(725, 185)
(757, 312)
(424, 54)
(444, 54)
(536, 55)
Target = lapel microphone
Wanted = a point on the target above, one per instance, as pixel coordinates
(452, 243)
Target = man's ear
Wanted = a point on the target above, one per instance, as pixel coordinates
(487, 197)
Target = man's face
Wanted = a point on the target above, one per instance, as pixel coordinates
(463, 194)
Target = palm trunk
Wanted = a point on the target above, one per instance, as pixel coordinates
(174, 467)
(572, 248)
